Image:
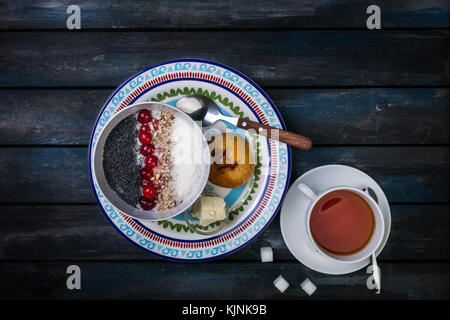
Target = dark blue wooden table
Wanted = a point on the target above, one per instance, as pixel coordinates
(376, 100)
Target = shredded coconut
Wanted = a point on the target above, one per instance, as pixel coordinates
(186, 157)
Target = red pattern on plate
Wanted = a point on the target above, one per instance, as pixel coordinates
(274, 162)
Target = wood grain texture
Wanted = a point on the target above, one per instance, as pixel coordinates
(329, 116)
(49, 116)
(278, 58)
(375, 100)
(261, 14)
(421, 172)
(293, 139)
(81, 232)
(252, 281)
(366, 116)
(55, 175)
(45, 175)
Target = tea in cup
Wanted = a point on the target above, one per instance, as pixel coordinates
(343, 223)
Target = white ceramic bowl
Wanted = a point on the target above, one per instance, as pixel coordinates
(110, 194)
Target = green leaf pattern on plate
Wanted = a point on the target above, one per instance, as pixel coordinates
(256, 146)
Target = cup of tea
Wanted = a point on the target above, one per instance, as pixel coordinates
(343, 223)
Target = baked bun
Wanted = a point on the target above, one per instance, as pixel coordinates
(232, 160)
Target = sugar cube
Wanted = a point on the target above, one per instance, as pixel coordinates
(266, 254)
(281, 284)
(308, 286)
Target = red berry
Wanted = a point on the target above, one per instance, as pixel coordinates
(144, 116)
(149, 192)
(155, 123)
(151, 161)
(146, 173)
(146, 182)
(147, 204)
(147, 149)
(145, 137)
(145, 128)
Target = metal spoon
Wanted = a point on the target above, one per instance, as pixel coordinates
(204, 109)
(375, 269)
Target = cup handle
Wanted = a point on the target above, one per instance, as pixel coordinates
(311, 195)
(307, 191)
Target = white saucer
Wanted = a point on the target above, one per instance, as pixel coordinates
(293, 211)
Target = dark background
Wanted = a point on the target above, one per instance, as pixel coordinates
(376, 100)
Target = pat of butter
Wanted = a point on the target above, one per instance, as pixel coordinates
(209, 210)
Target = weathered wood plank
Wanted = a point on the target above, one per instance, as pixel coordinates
(49, 175)
(44, 175)
(328, 116)
(406, 174)
(223, 14)
(81, 232)
(366, 116)
(278, 58)
(252, 281)
(49, 116)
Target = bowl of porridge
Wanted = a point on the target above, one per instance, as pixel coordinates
(151, 161)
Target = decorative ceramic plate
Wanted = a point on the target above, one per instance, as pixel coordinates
(252, 206)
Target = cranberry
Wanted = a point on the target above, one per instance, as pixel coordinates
(146, 182)
(147, 149)
(144, 116)
(151, 161)
(145, 128)
(155, 123)
(147, 204)
(146, 173)
(149, 192)
(145, 137)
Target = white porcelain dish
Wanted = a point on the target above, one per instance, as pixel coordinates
(294, 210)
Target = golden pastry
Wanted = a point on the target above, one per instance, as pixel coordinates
(232, 160)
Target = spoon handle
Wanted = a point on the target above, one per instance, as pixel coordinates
(290, 138)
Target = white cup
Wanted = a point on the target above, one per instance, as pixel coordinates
(374, 241)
